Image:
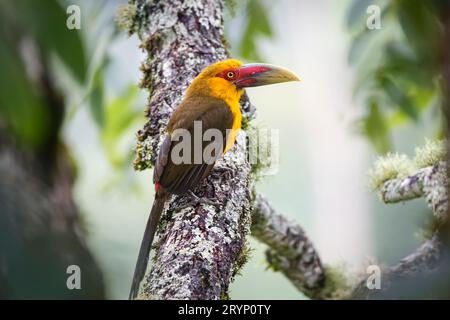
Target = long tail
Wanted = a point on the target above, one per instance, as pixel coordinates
(144, 251)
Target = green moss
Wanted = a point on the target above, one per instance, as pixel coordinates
(224, 296)
(396, 165)
(143, 295)
(242, 258)
(431, 153)
(272, 260)
(391, 166)
(245, 252)
(144, 153)
(130, 17)
(337, 285)
(125, 17)
(245, 123)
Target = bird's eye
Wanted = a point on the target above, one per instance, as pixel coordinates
(230, 75)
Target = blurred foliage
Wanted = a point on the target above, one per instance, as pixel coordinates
(22, 109)
(47, 24)
(32, 36)
(96, 95)
(27, 27)
(397, 65)
(120, 115)
(121, 118)
(256, 25)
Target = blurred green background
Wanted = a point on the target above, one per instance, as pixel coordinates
(363, 93)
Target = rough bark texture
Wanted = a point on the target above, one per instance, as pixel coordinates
(200, 247)
(430, 182)
(426, 256)
(291, 252)
(402, 280)
(446, 99)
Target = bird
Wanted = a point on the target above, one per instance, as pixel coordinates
(211, 100)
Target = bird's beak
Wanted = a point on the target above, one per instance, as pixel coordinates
(261, 74)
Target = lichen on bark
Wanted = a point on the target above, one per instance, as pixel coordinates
(430, 182)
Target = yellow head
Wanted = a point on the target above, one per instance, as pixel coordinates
(227, 79)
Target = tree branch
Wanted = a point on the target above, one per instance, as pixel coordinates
(430, 182)
(398, 280)
(291, 252)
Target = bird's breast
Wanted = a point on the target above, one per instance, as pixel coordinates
(237, 121)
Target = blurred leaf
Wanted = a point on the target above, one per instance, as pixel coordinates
(96, 97)
(420, 26)
(398, 97)
(376, 129)
(119, 116)
(402, 62)
(422, 96)
(47, 23)
(258, 24)
(359, 44)
(22, 110)
(398, 68)
(357, 14)
(397, 118)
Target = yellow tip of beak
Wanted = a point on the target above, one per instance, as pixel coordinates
(260, 74)
(279, 75)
